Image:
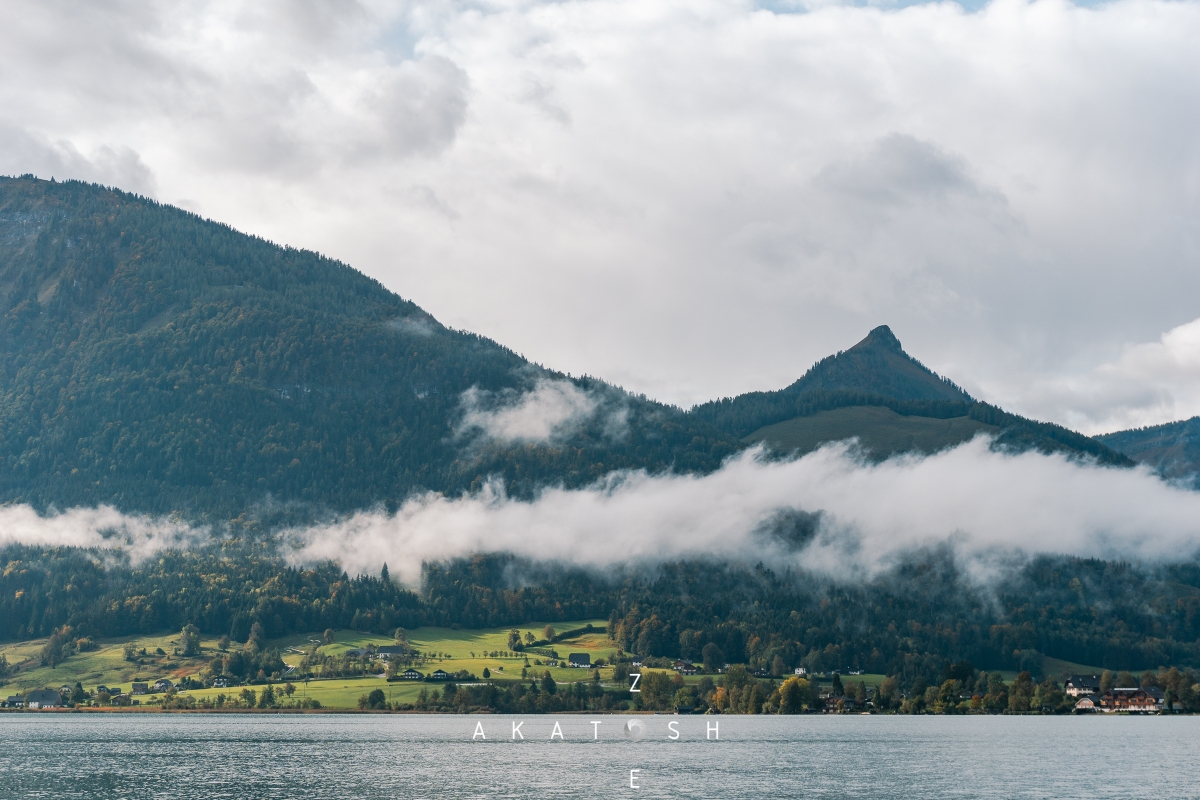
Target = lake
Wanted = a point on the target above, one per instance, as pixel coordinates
(418, 756)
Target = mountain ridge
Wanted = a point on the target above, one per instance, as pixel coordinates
(162, 363)
(1172, 449)
(159, 362)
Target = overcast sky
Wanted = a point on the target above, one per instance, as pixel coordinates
(689, 199)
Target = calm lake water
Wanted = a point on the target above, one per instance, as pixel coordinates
(405, 756)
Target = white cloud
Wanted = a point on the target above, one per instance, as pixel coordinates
(102, 527)
(553, 409)
(1149, 384)
(980, 502)
(989, 507)
(689, 199)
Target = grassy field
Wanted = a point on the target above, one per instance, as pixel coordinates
(880, 430)
(105, 665)
(447, 649)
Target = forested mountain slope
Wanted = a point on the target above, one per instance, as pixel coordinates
(1172, 449)
(160, 362)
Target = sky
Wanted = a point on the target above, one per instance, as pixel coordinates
(689, 199)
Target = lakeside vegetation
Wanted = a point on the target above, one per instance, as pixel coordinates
(908, 623)
(339, 670)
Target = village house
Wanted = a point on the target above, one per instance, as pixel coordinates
(411, 674)
(801, 671)
(579, 660)
(1081, 685)
(163, 685)
(440, 675)
(387, 652)
(43, 698)
(140, 688)
(1129, 700)
(220, 683)
(685, 667)
(14, 701)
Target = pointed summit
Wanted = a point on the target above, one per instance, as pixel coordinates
(878, 365)
(881, 337)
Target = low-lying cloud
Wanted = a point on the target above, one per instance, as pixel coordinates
(101, 527)
(829, 512)
(552, 410)
(982, 502)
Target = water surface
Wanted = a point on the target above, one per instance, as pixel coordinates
(407, 756)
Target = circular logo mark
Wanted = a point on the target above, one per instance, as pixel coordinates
(634, 730)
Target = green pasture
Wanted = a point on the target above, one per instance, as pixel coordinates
(447, 649)
(104, 665)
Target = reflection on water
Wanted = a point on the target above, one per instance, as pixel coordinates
(407, 756)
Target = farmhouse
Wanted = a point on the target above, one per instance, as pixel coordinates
(685, 667)
(140, 688)
(388, 651)
(579, 660)
(43, 698)
(1081, 685)
(411, 674)
(440, 675)
(14, 701)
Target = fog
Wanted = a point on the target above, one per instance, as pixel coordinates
(856, 518)
(983, 503)
(101, 527)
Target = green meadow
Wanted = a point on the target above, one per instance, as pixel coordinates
(444, 648)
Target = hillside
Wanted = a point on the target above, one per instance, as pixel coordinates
(877, 374)
(159, 362)
(880, 431)
(1172, 449)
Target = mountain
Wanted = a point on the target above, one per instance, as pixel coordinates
(878, 365)
(160, 362)
(1172, 449)
(892, 403)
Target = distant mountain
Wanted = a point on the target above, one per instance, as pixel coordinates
(878, 365)
(1172, 449)
(159, 362)
(891, 402)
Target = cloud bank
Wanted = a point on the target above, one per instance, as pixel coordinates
(102, 527)
(981, 502)
(854, 518)
(689, 199)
